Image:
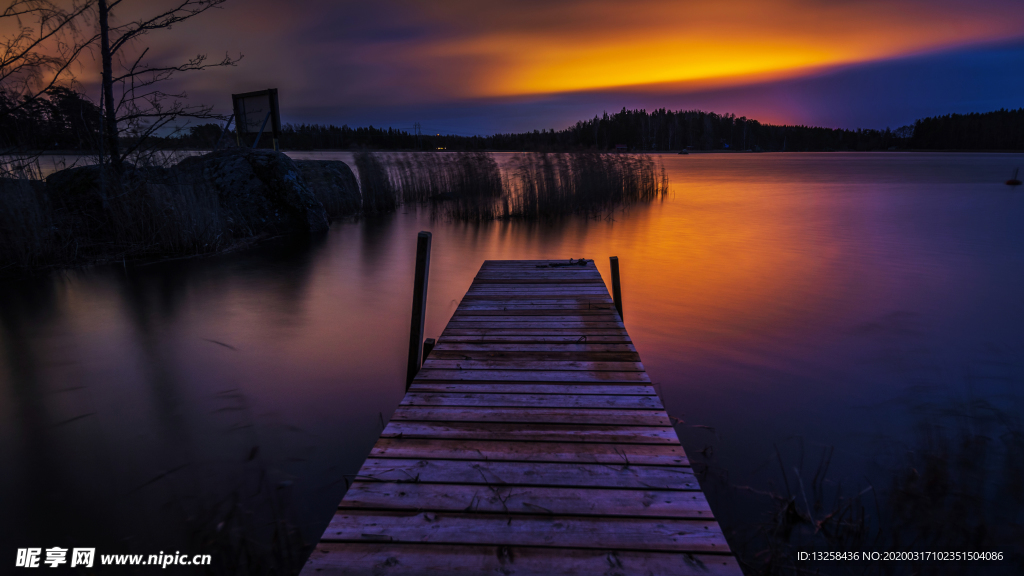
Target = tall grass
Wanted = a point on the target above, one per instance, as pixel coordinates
(588, 184)
(461, 186)
(152, 212)
(380, 195)
(471, 186)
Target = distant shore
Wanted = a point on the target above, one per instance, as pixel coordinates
(50, 153)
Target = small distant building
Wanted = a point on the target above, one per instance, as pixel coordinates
(621, 148)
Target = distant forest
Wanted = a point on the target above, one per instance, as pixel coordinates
(64, 120)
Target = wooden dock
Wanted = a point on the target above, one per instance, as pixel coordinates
(531, 442)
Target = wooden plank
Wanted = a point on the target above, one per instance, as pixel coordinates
(532, 375)
(540, 432)
(416, 559)
(532, 316)
(529, 473)
(566, 307)
(520, 324)
(540, 300)
(537, 278)
(530, 400)
(505, 499)
(608, 416)
(547, 530)
(564, 332)
(534, 356)
(528, 364)
(549, 347)
(528, 388)
(527, 276)
(528, 302)
(544, 261)
(576, 338)
(525, 451)
(534, 291)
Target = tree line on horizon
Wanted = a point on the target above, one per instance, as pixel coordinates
(65, 120)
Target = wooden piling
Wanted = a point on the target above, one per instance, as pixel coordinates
(419, 306)
(616, 287)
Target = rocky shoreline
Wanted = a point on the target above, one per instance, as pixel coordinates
(202, 205)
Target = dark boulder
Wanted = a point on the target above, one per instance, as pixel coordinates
(259, 192)
(334, 185)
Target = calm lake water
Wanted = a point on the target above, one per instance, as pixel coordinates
(782, 304)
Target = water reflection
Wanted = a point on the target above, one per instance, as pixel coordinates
(218, 404)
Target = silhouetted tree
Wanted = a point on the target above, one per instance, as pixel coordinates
(134, 106)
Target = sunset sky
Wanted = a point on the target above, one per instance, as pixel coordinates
(477, 67)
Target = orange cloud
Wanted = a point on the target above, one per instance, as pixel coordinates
(537, 48)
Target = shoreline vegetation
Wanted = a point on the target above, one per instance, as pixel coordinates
(64, 119)
(235, 198)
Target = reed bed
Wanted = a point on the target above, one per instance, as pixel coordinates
(587, 184)
(379, 192)
(472, 187)
(148, 214)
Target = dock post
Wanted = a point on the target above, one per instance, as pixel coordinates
(419, 305)
(428, 345)
(616, 288)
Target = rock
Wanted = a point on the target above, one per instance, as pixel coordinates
(259, 192)
(334, 185)
(77, 190)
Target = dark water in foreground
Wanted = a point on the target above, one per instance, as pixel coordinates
(782, 304)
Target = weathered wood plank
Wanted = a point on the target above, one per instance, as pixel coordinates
(506, 307)
(547, 347)
(528, 364)
(360, 559)
(538, 277)
(578, 333)
(609, 416)
(517, 324)
(529, 388)
(525, 451)
(509, 309)
(591, 278)
(571, 501)
(537, 432)
(562, 285)
(534, 315)
(529, 263)
(539, 300)
(531, 289)
(632, 357)
(528, 400)
(577, 532)
(529, 473)
(532, 375)
(486, 338)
